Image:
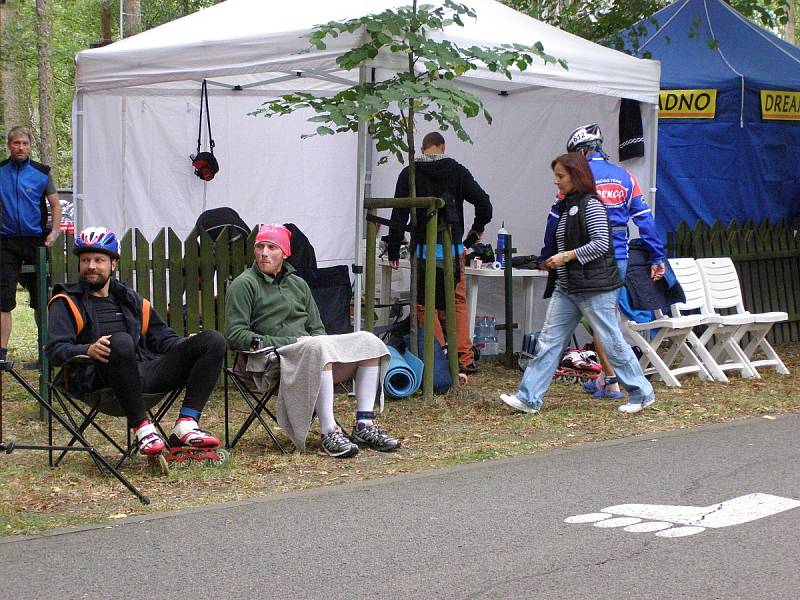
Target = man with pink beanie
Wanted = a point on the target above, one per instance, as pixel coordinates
(272, 301)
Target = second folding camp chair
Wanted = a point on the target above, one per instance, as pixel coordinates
(84, 410)
(256, 387)
(724, 291)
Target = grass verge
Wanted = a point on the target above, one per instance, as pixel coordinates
(467, 425)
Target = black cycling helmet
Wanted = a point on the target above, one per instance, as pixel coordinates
(585, 137)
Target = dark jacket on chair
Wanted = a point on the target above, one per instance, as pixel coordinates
(643, 292)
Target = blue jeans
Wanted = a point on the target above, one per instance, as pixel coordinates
(622, 265)
(563, 315)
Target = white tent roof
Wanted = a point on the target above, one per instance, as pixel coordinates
(256, 45)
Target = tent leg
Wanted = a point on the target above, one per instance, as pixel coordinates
(360, 180)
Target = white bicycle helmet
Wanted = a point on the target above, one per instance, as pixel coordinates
(585, 137)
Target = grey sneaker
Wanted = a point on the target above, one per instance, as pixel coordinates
(335, 443)
(372, 436)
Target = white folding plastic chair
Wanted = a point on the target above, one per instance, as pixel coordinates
(716, 346)
(723, 291)
(675, 331)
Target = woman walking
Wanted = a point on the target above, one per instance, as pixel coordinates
(584, 279)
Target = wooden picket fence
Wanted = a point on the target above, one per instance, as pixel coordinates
(185, 280)
(767, 259)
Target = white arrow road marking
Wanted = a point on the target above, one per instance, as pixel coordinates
(694, 519)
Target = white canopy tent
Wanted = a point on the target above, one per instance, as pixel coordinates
(137, 111)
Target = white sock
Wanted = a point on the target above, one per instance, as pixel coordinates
(324, 405)
(601, 380)
(366, 387)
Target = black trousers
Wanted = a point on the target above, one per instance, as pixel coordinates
(194, 363)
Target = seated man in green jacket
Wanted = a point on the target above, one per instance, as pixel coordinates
(270, 300)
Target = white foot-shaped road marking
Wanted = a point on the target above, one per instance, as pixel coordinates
(662, 518)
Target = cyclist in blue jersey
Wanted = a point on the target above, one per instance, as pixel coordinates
(619, 193)
(26, 188)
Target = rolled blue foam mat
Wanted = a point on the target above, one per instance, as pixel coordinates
(401, 379)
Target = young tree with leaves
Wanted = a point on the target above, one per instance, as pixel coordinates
(426, 88)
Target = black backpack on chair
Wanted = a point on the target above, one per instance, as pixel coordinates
(330, 286)
(213, 220)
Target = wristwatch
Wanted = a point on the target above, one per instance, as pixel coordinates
(565, 257)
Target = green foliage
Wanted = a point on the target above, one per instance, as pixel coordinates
(602, 21)
(426, 87)
(76, 27)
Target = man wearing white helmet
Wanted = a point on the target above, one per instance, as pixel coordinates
(619, 192)
(134, 351)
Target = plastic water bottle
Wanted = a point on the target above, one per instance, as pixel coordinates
(491, 347)
(500, 255)
(481, 331)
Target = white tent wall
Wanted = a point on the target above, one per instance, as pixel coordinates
(511, 157)
(136, 170)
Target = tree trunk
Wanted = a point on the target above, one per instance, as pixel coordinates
(44, 26)
(791, 25)
(132, 17)
(11, 86)
(105, 25)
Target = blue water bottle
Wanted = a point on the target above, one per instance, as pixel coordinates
(500, 255)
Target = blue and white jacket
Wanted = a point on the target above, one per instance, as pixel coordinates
(619, 192)
(23, 191)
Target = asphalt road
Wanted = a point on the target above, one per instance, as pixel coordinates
(491, 530)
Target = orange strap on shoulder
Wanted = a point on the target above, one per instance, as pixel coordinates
(76, 314)
(145, 315)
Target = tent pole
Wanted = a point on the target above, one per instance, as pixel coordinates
(360, 180)
(79, 119)
(653, 158)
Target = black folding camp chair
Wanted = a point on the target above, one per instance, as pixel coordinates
(78, 442)
(256, 400)
(332, 291)
(82, 411)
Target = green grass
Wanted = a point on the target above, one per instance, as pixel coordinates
(466, 426)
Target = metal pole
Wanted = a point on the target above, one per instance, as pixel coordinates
(450, 303)
(654, 160)
(369, 274)
(508, 251)
(360, 181)
(79, 121)
(44, 364)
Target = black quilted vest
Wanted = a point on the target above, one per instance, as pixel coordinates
(599, 275)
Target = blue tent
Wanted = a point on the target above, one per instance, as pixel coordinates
(736, 164)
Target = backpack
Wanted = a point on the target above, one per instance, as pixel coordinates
(204, 163)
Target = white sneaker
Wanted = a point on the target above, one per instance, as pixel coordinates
(517, 404)
(634, 407)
